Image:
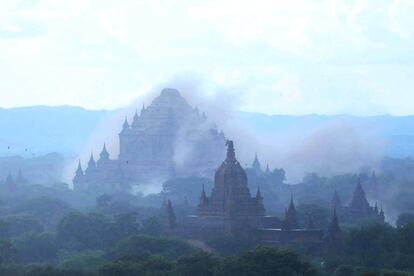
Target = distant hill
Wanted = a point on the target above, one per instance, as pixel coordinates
(398, 132)
(31, 131)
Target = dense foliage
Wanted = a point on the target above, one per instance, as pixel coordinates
(57, 231)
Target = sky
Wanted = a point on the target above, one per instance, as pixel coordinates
(273, 57)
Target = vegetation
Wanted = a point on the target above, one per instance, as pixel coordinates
(57, 231)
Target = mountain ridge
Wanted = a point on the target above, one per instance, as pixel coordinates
(66, 128)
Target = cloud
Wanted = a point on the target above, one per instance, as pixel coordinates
(101, 55)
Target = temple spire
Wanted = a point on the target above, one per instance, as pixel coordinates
(135, 120)
(231, 155)
(292, 205)
(336, 201)
(170, 218)
(126, 124)
(291, 218)
(359, 203)
(10, 183)
(259, 201)
(91, 163)
(203, 197)
(256, 164)
(79, 175)
(334, 240)
(143, 108)
(79, 170)
(104, 154)
(258, 194)
(382, 215)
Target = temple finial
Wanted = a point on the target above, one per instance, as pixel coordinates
(126, 124)
(231, 155)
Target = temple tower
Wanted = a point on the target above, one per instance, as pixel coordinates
(91, 164)
(334, 243)
(336, 201)
(256, 166)
(359, 206)
(230, 198)
(104, 156)
(169, 219)
(79, 177)
(10, 184)
(291, 217)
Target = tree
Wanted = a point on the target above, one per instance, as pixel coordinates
(7, 252)
(404, 219)
(36, 247)
(199, 263)
(121, 268)
(123, 225)
(229, 245)
(267, 261)
(151, 226)
(84, 231)
(406, 239)
(48, 270)
(373, 245)
(103, 201)
(278, 176)
(154, 265)
(49, 211)
(20, 224)
(4, 229)
(86, 261)
(135, 247)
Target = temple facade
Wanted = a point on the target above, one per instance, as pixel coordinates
(232, 210)
(168, 138)
(358, 208)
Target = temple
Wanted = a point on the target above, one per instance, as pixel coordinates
(256, 166)
(169, 138)
(232, 210)
(13, 184)
(334, 243)
(359, 207)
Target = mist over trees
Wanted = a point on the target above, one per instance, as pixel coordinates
(49, 228)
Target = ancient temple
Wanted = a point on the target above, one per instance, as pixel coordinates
(12, 184)
(291, 219)
(230, 195)
(168, 138)
(334, 243)
(359, 207)
(256, 166)
(232, 210)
